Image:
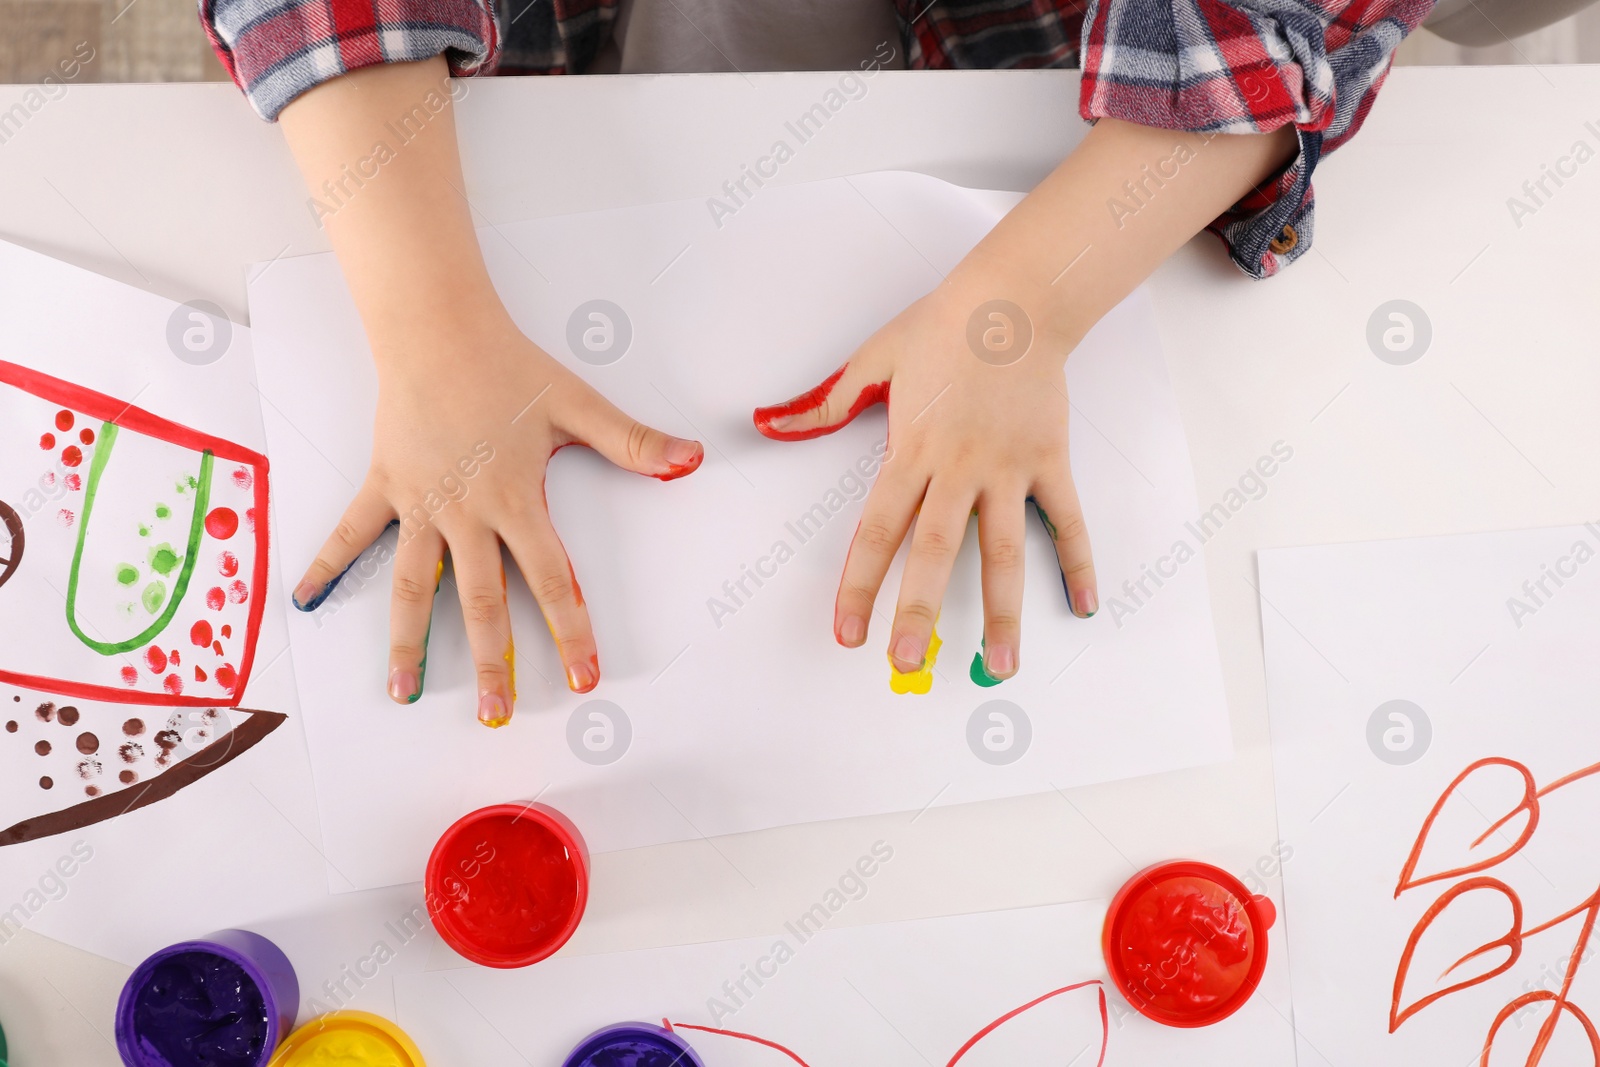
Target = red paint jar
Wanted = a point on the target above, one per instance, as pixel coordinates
(506, 885)
(1186, 943)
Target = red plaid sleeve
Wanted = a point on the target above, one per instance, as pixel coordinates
(1247, 66)
(277, 49)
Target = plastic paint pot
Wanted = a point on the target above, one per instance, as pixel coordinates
(225, 1000)
(632, 1045)
(3, 1052)
(1186, 942)
(507, 884)
(348, 1039)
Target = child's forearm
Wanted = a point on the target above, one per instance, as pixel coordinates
(1068, 255)
(378, 151)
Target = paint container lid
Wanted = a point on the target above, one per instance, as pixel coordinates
(348, 1037)
(1186, 942)
(633, 1044)
(507, 884)
(156, 1025)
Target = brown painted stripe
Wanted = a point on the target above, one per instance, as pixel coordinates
(222, 750)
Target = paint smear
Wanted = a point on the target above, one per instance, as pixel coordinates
(978, 672)
(917, 681)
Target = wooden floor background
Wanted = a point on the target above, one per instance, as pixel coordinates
(161, 40)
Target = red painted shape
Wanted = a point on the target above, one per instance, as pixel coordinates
(670, 1025)
(47, 441)
(156, 658)
(227, 678)
(813, 399)
(200, 633)
(86, 435)
(71, 456)
(227, 564)
(69, 395)
(215, 598)
(130, 675)
(222, 523)
(172, 684)
(1105, 1020)
(63, 420)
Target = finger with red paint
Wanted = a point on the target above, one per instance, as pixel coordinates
(833, 403)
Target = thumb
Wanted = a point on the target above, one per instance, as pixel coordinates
(633, 446)
(843, 395)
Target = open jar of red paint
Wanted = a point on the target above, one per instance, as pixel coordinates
(1186, 942)
(506, 885)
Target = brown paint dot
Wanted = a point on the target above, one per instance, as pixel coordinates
(133, 727)
(42, 747)
(45, 782)
(11, 726)
(88, 744)
(45, 711)
(92, 790)
(88, 768)
(68, 716)
(128, 777)
(131, 752)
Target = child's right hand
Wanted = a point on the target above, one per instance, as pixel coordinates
(469, 413)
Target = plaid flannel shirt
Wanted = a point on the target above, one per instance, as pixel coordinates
(1222, 66)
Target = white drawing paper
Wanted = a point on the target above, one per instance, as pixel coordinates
(1394, 669)
(725, 704)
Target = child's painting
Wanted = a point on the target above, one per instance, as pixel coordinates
(1433, 712)
(132, 565)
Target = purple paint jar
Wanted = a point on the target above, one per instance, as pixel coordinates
(633, 1045)
(225, 1000)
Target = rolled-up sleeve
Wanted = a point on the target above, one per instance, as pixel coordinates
(1247, 66)
(277, 49)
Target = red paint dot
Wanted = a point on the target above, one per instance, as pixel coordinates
(215, 598)
(63, 420)
(250, 517)
(172, 684)
(65, 517)
(172, 657)
(226, 677)
(156, 658)
(238, 592)
(200, 633)
(86, 435)
(49, 480)
(228, 564)
(72, 455)
(227, 631)
(216, 646)
(130, 676)
(222, 523)
(47, 441)
(73, 481)
(243, 478)
(199, 675)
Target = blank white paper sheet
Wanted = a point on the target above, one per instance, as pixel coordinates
(707, 720)
(1434, 707)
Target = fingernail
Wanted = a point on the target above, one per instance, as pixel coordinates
(907, 655)
(683, 457)
(852, 631)
(402, 685)
(582, 677)
(1000, 661)
(492, 710)
(1087, 605)
(305, 596)
(781, 422)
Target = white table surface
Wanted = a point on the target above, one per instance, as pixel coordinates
(177, 187)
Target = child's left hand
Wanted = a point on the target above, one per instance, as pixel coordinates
(971, 427)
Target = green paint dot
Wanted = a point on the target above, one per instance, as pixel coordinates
(144, 531)
(163, 512)
(163, 559)
(153, 596)
(126, 607)
(127, 574)
(980, 675)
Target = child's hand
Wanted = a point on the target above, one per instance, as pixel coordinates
(965, 433)
(485, 400)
